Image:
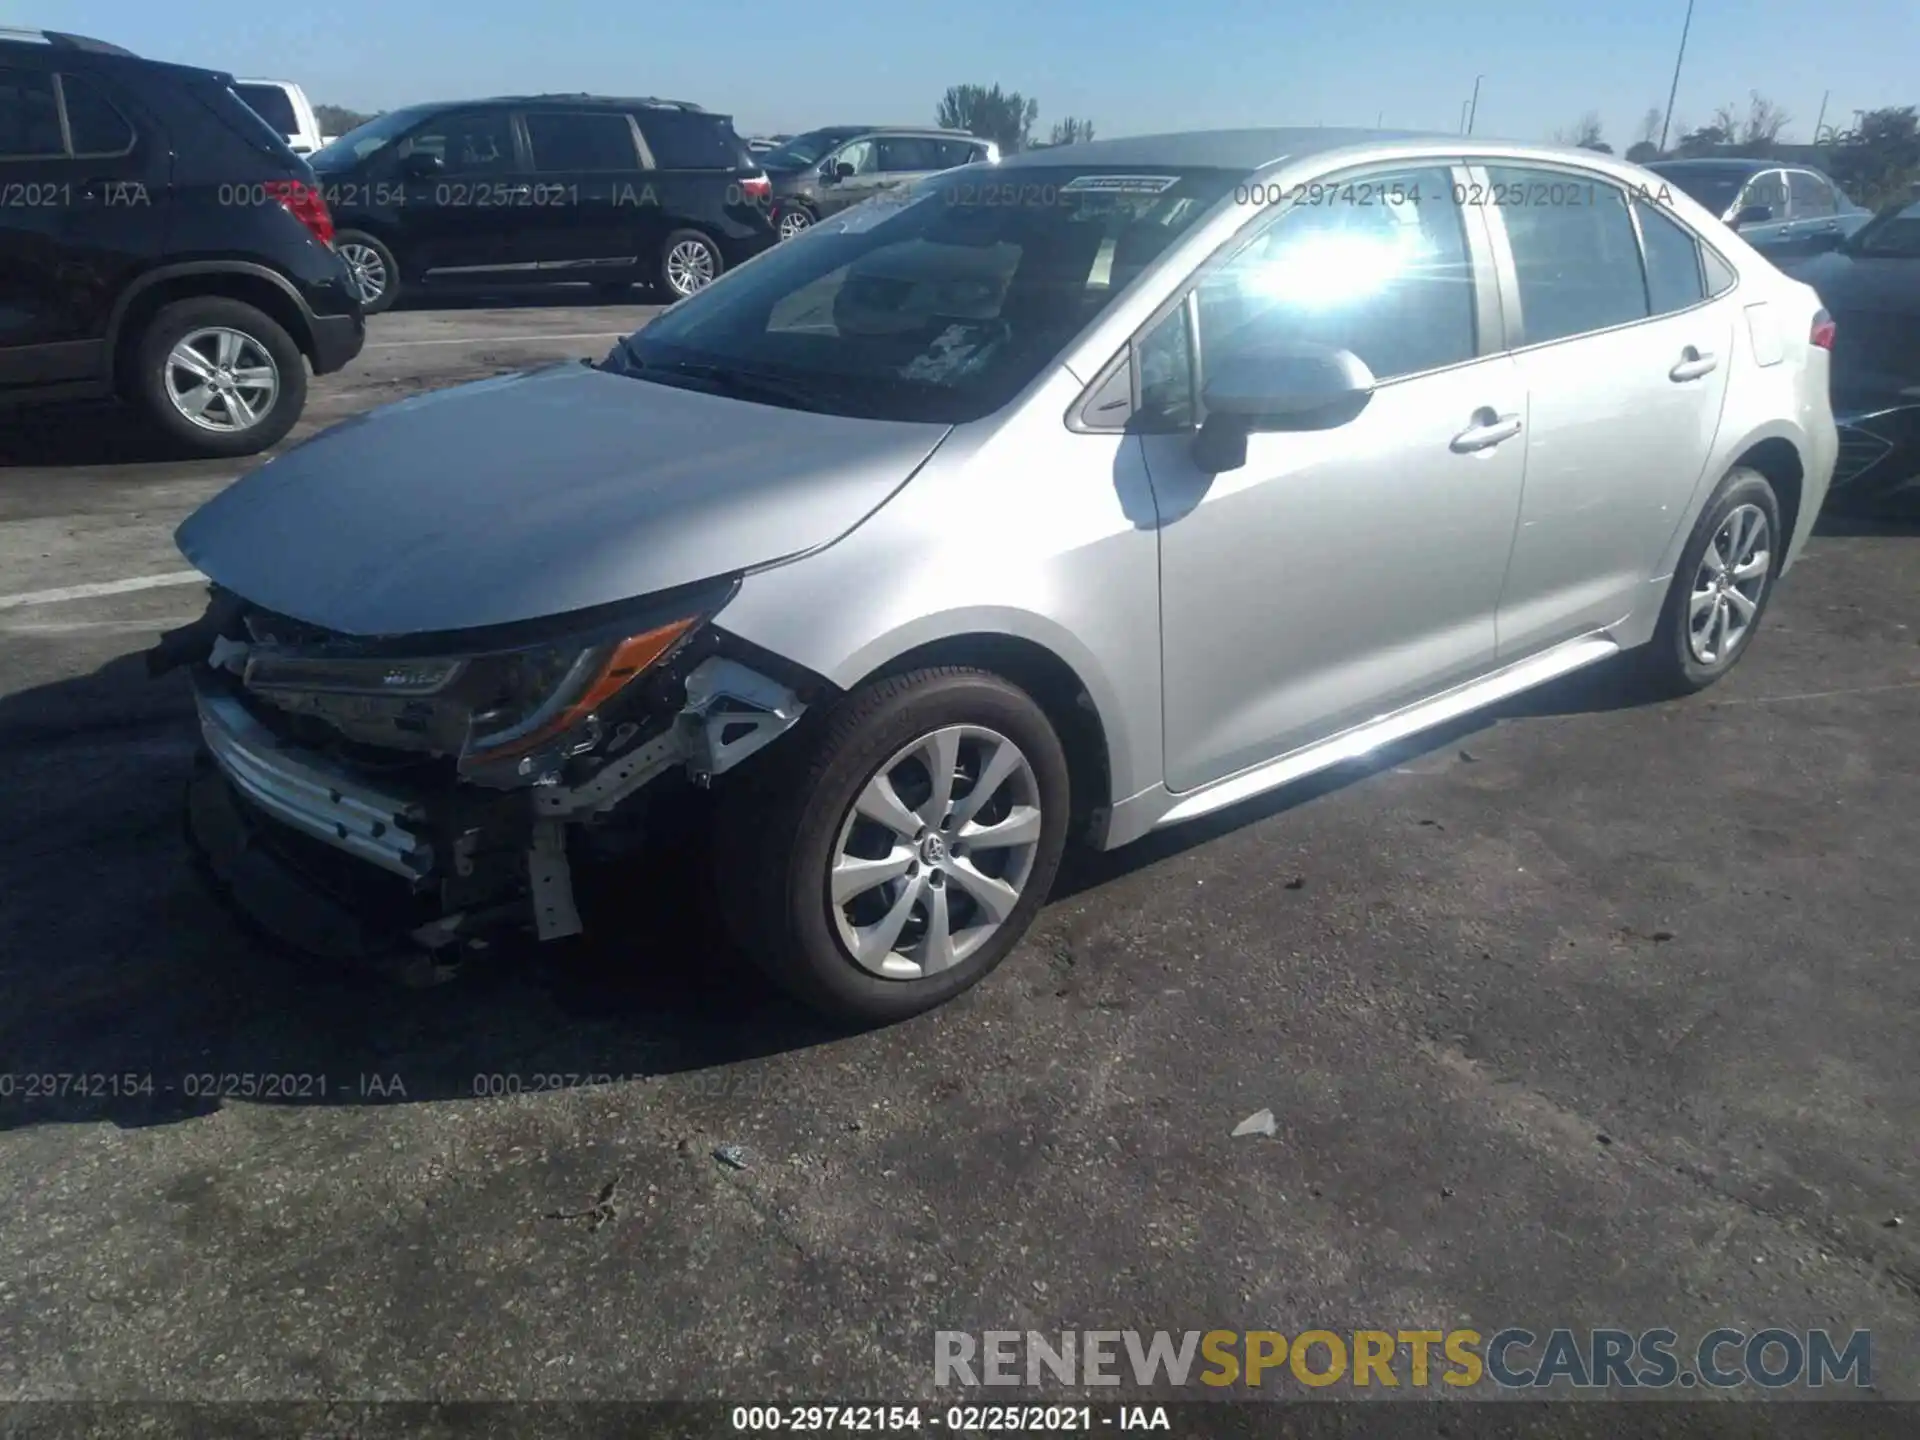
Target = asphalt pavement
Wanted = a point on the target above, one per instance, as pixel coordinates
(1582, 1013)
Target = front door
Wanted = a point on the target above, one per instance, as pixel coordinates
(1339, 573)
(1625, 364)
(465, 220)
(1769, 235)
(847, 191)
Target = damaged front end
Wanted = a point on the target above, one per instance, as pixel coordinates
(403, 799)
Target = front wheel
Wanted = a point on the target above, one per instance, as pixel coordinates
(689, 261)
(898, 858)
(794, 219)
(1721, 586)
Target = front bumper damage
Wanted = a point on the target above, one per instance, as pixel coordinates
(394, 861)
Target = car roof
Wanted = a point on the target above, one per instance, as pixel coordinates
(61, 40)
(1247, 150)
(1733, 164)
(611, 102)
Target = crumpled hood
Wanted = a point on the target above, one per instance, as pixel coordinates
(537, 494)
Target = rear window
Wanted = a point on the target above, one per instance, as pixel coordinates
(683, 141)
(272, 105)
(1715, 190)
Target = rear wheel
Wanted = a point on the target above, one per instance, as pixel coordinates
(371, 267)
(898, 859)
(1720, 588)
(219, 376)
(689, 261)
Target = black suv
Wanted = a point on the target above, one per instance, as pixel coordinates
(158, 240)
(544, 188)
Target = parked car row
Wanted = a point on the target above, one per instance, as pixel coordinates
(1783, 211)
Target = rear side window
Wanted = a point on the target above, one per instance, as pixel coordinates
(1673, 261)
(680, 140)
(1720, 275)
(582, 140)
(1769, 190)
(1574, 253)
(272, 105)
(959, 152)
(29, 116)
(95, 126)
(909, 153)
(1812, 196)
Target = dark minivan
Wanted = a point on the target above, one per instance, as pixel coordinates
(544, 189)
(159, 241)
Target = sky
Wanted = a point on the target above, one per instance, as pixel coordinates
(1129, 66)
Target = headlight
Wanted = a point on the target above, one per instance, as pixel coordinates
(527, 698)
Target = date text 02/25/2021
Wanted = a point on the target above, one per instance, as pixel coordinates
(954, 1419)
(1498, 194)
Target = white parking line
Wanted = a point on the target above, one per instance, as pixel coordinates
(103, 587)
(520, 339)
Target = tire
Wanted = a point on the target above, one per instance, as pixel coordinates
(1675, 662)
(793, 219)
(368, 259)
(200, 324)
(781, 832)
(694, 257)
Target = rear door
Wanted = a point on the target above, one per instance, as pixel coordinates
(904, 159)
(1625, 357)
(580, 207)
(82, 209)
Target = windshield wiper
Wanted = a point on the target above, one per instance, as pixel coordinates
(741, 384)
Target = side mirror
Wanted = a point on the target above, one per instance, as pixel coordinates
(1752, 215)
(1277, 387)
(422, 165)
(842, 170)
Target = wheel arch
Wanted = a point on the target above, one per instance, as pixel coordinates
(1055, 685)
(257, 285)
(1778, 451)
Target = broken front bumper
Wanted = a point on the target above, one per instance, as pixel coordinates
(341, 868)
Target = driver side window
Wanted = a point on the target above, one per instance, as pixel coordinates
(1376, 265)
(859, 155)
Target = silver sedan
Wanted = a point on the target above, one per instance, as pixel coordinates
(1066, 498)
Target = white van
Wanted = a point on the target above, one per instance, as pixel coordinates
(283, 105)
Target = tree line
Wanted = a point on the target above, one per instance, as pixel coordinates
(1876, 162)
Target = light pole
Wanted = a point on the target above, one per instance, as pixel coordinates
(1473, 105)
(1687, 26)
(1463, 117)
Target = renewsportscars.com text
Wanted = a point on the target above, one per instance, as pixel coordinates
(1510, 1359)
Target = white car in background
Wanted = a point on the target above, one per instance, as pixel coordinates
(283, 105)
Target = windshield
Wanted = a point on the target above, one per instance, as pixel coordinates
(1891, 233)
(363, 140)
(1715, 189)
(803, 150)
(939, 303)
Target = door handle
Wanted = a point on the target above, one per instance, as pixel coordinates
(1693, 364)
(1487, 431)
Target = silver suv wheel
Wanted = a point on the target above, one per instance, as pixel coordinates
(221, 379)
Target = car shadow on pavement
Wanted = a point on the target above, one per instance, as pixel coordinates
(81, 432)
(129, 993)
(1835, 525)
(531, 297)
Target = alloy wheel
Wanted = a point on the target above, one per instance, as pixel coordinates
(1728, 585)
(221, 379)
(792, 222)
(367, 270)
(935, 852)
(690, 267)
